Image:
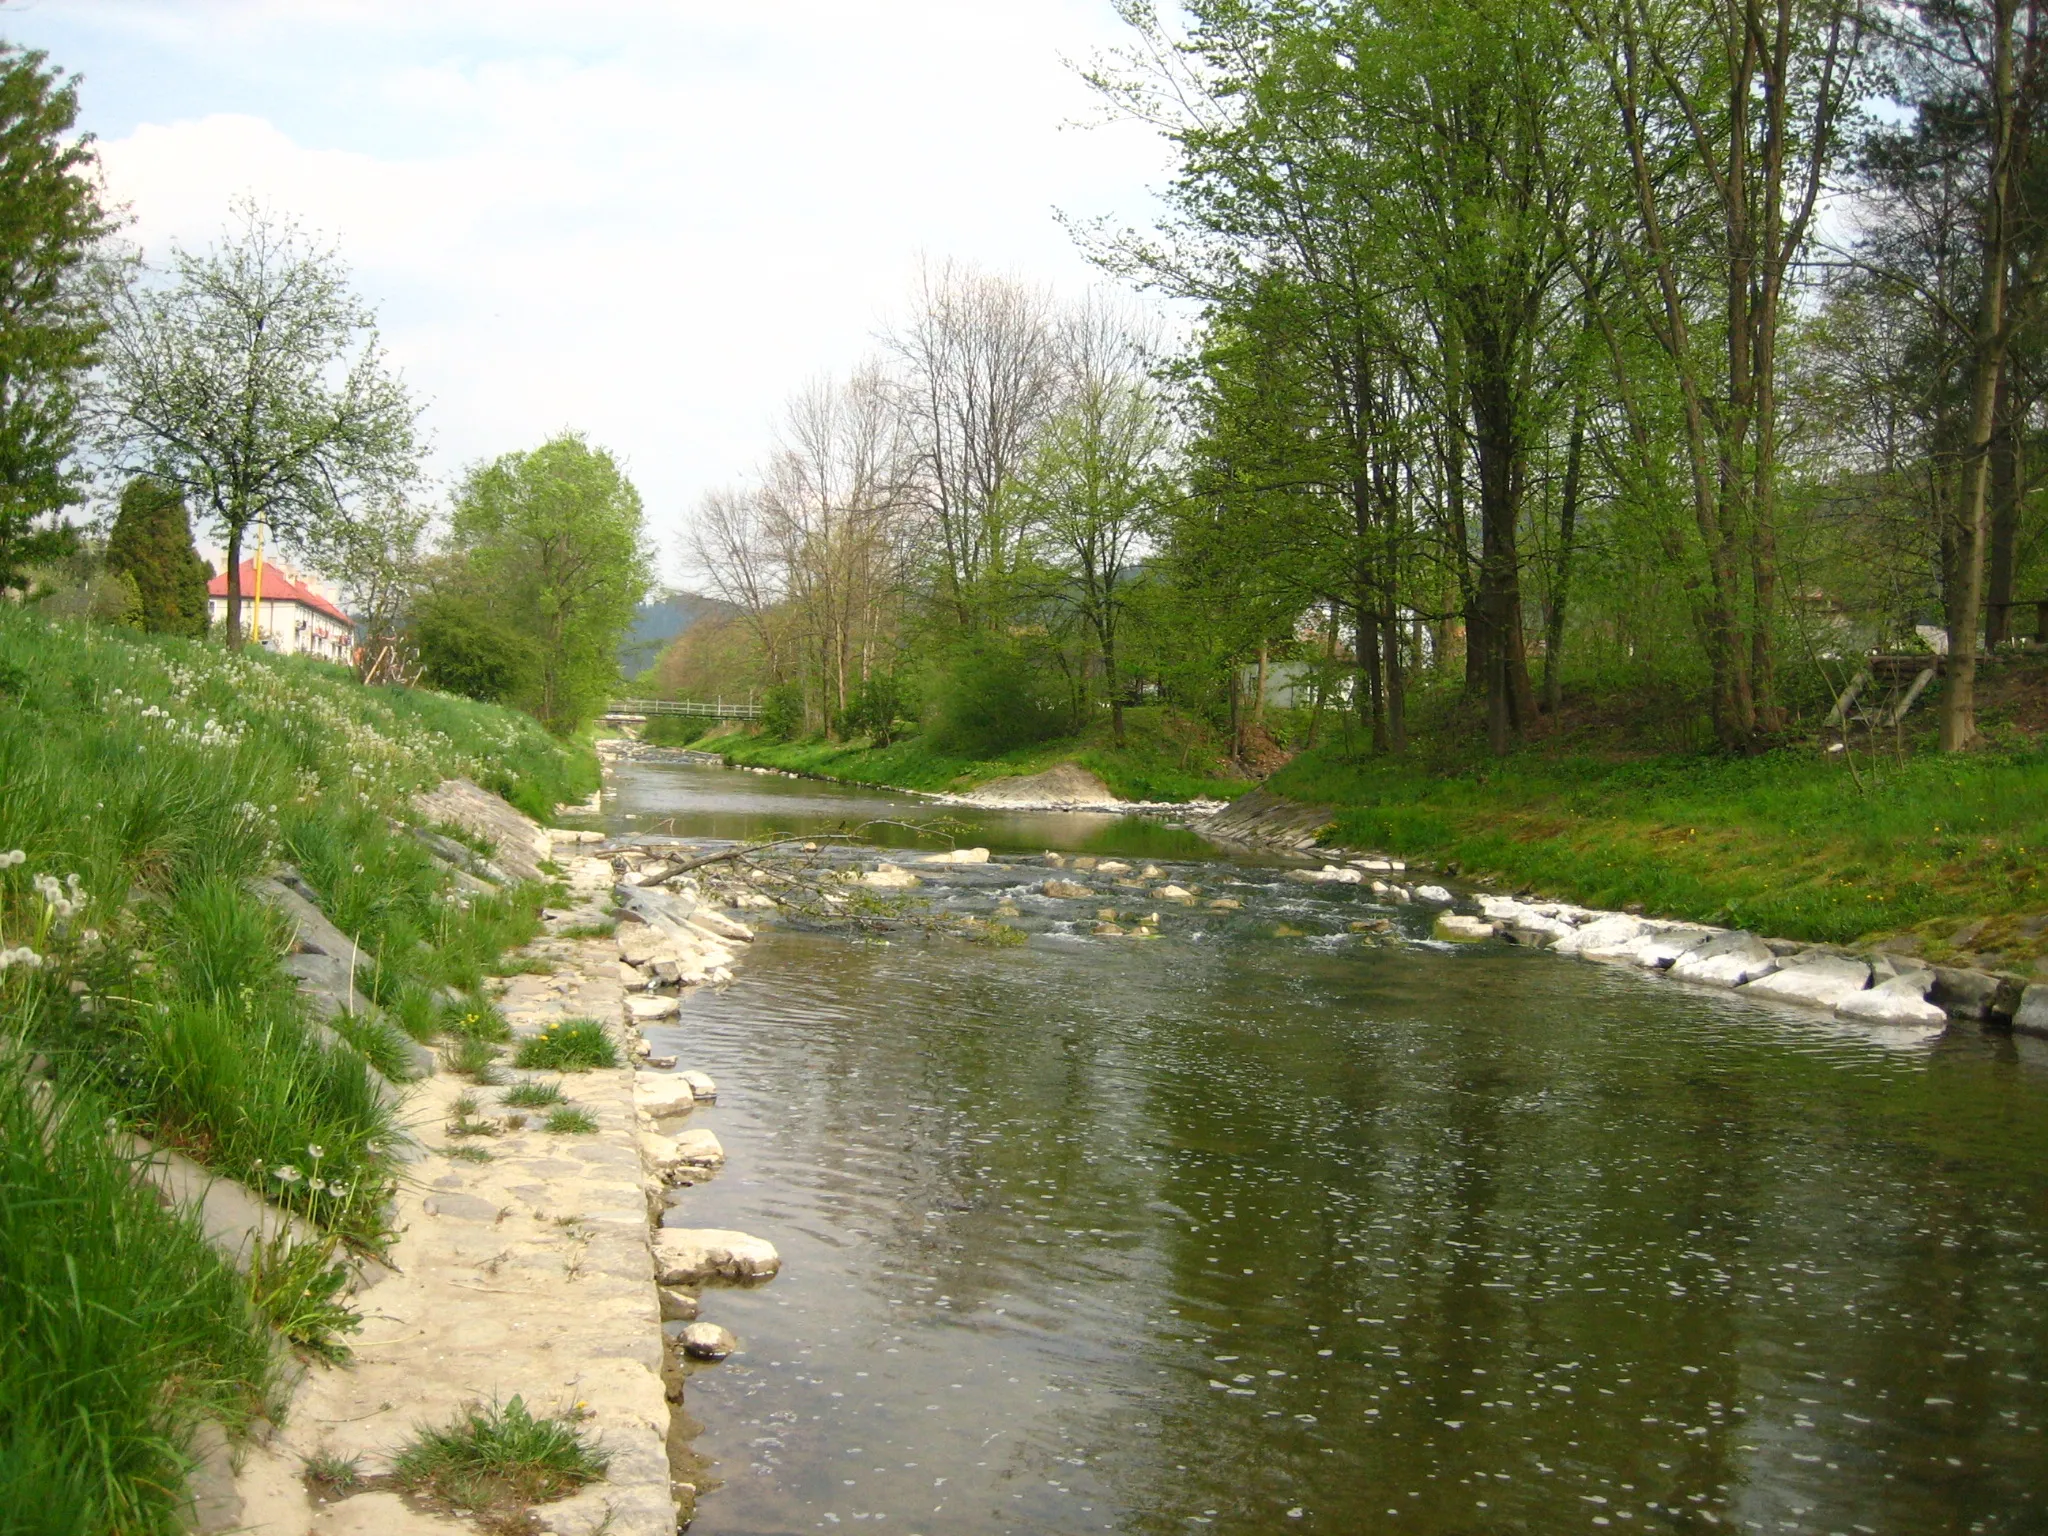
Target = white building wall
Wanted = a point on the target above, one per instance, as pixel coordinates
(291, 628)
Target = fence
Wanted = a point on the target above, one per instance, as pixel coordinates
(689, 709)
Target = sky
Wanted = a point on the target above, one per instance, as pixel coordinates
(650, 221)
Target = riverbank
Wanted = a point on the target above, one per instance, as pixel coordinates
(255, 984)
(1164, 761)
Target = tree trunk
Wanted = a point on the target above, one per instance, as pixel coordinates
(2006, 480)
(1959, 707)
(1504, 660)
(1259, 695)
(234, 587)
(1560, 580)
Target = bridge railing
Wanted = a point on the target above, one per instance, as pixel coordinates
(691, 709)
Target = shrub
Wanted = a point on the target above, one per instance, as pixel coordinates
(673, 730)
(990, 697)
(572, 1045)
(782, 711)
(876, 708)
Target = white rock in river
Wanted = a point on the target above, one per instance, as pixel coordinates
(1661, 944)
(662, 1094)
(676, 1306)
(701, 1085)
(641, 945)
(957, 856)
(1609, 937)
(1462, 930)
(1902, 1000)
(692, 1255)
(645, 1009)
(887, 877)
(1726, 960)
(2031, 1017)
(1174, 893)
(1434, 893)
(1822, 980)
(1111, 867)
(699, 1148)
(708, 1341)
(1329, 874)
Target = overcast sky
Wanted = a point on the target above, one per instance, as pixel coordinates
(649, 220)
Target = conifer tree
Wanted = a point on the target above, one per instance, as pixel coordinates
(152, 544)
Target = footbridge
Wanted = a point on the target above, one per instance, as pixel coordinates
(687, 709)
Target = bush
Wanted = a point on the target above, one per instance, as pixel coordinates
(674, 730)
(782, 711)
(464, 648)
(876, 708)
(571, 1045)
(991, 697)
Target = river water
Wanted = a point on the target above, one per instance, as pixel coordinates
(1266, 1225)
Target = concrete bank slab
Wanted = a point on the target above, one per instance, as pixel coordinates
(529, 1274)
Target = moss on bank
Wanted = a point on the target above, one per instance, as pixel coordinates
(144, 784)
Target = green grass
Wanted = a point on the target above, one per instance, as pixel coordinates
(534, 1095)
(1166, 758)
(120, 1325)
(572, 1045)
(496, 1456)
(299, 1288)
(472, 1058)
(569, 1121)
(145, 783)
(1788, 843)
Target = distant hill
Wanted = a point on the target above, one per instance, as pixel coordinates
(659, 621)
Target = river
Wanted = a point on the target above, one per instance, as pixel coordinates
(1267, 1225)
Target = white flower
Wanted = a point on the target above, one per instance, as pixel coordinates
(315, 1152)
(12, 857)
(287, 1173)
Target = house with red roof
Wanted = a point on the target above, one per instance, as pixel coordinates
(295, 620)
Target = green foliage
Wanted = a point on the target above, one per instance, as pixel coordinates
(494, 1455)
(673, 730)
(50, 223)
(474, 1059)
(877, 709)
(533, 1095)
(991, 695)
(122, 1324)
(570, 1121)
(254, 383)
(465, 647)
(1787, 844)
(568, 1045)
(300, 1288)
(782, 711)
(151, 543)
(555, 538)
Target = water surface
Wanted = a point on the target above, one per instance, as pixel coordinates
(1266, 1225)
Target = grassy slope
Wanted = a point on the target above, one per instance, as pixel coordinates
(143, 784)
(1164, 759)
(1789, 843)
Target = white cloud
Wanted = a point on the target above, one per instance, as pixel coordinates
(646, 221)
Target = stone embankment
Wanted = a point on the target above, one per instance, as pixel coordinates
(1863, 986)
(532, 1261)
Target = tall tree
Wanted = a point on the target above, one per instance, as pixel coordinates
(1728, 117)
(50, 224)
(254, 382)
(151, 543)
(1095, 487)
(555, 537)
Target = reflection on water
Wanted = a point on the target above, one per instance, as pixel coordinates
(720, 802)
(1241, 1232)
